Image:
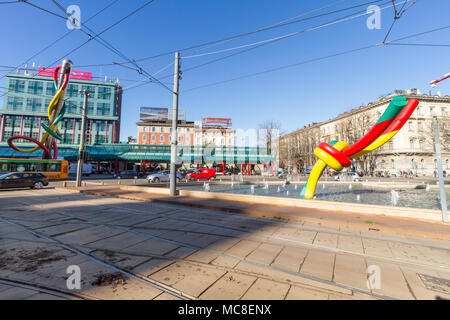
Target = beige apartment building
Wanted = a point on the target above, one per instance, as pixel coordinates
(412, 150)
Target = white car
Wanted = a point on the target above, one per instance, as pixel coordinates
(161, 176)
(353, 176)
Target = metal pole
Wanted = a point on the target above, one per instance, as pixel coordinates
(82, 138)
(173, 150)
(66, 67)
(440, 173)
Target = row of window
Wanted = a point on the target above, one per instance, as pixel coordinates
(48, 88)
(415, 165)
(153, 139)
(37, 105)
(433, 111)
(67, 137)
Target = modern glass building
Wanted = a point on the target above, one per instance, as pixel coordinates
(26, 99)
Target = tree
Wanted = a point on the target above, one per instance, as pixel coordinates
(269, 131)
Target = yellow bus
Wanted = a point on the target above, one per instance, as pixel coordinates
(53, 169)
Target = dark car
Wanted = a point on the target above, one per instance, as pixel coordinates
(128, 174)
(23, 180)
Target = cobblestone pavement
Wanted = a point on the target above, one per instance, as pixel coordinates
(128, 249)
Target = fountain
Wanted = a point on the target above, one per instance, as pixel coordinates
(252, 189)
(394, 197)
(427, 188)
(266, 185)
(295, 187)
(206, 187)
(358, 197)
(287, 193)
(278, 190)
(350, 187)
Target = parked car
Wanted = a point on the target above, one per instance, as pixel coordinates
(128, 174)
(184, 173)
(32, 180)
(162, 176)
(353, 176)
(202, 174)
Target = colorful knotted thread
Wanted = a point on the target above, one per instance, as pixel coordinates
(52, 129)
(338, 155)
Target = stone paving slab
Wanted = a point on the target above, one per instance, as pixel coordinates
(89, 235)
(265, 253)
(206, 274)
(319, 264)
(232, 286)
(16, 293)
(192, 279)
(290, 258)
(335, 219)
(351, 271)
(392, 281)
(298, 293)
(264, 289)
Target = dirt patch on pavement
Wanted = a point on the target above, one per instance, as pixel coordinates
(113, 279)
(23, 260)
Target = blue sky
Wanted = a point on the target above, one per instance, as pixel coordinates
(294, 96)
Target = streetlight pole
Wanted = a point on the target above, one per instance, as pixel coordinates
(82, 137)
(173, 149)
(440, 172)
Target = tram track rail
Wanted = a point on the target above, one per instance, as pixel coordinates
(197, 248)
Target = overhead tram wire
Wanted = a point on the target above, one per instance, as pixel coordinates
(268, 41)
(418, 44)
(65, 35)
(316, 59)
(107, 45)
(397, 15)
(103, 42)
(275, 25)
(272, 40)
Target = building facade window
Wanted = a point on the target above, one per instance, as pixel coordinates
(422, 163)
(35, 87)
(419, 126)
(34, 105)
(50, 89)
(104, 93)
(411, 144)
(15, 103)
(72, 91)
(392, 164)
(16, 85)
(90, 89)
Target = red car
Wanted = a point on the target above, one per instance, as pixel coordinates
(202, 174)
